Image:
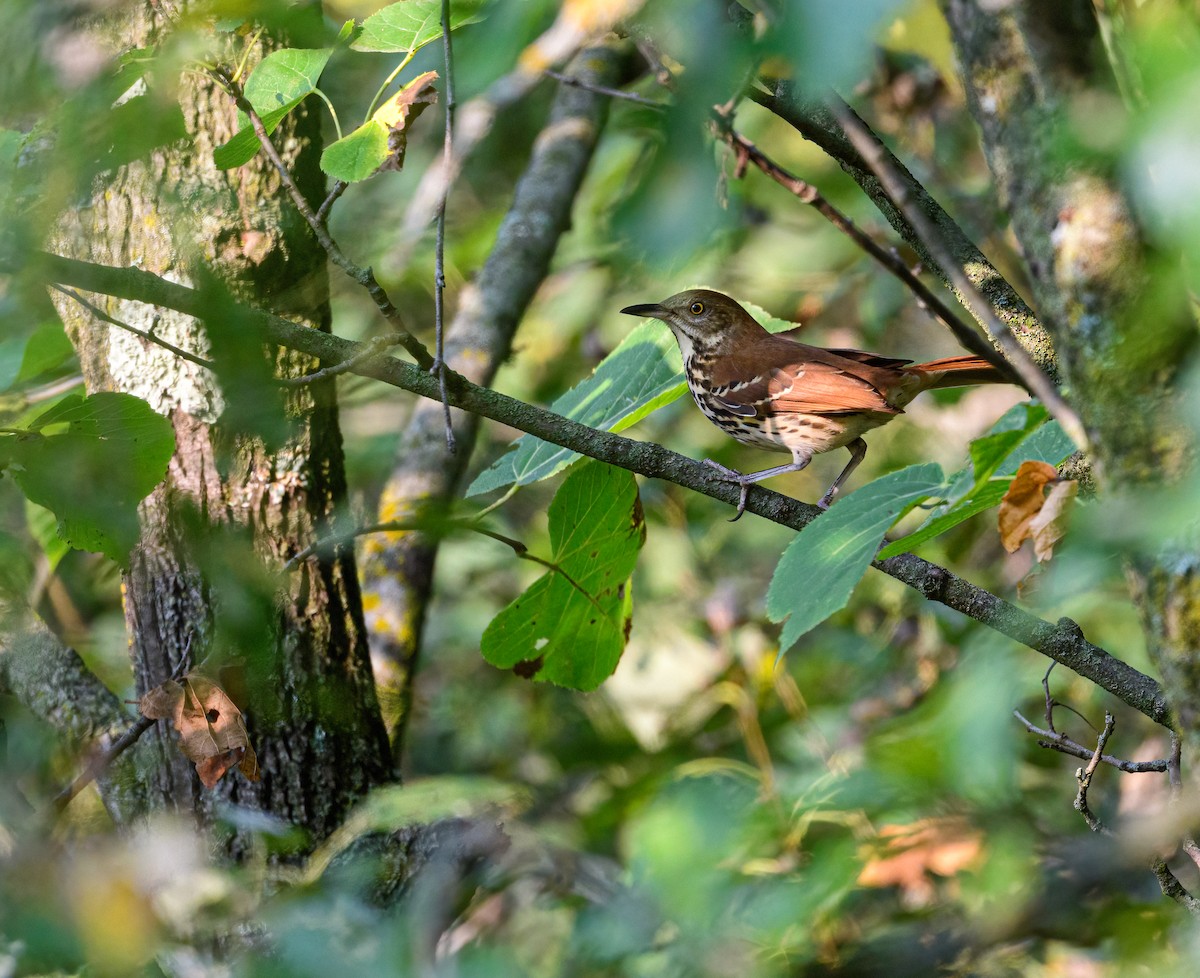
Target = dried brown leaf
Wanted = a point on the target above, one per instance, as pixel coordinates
(211, 731)
(161, 702)
(912, 853)
(1028, 512)
(1023, 502)
(1048, 527)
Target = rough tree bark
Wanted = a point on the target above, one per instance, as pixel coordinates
(312, 709)
(1022, 64)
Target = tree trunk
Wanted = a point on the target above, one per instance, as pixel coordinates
(1121, 327)
(230, 510)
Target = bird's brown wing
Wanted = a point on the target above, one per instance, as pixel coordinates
(804, 379)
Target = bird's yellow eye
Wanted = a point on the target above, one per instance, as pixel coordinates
(696, 308)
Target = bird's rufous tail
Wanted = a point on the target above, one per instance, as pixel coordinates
(960, 372)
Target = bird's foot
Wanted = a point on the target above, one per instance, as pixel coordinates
(827, 500)
(726, 474)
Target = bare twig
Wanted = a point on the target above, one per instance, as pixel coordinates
(745, 151)
(373, 347)
(439, 284)
(431, 527)
(144, 334)
(1034, 378)
(1084, 777)
(100, 763)
(363, 276)
(336, 191)
(1054, 740)
(575, 82)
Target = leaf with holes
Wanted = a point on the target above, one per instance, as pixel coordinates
(211, 731)
(571, 625)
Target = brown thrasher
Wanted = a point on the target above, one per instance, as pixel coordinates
(774, 392)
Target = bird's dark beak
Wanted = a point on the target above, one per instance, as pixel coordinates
(650, 310)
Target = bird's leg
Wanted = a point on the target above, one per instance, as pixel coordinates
(746, 479)
(858, 451)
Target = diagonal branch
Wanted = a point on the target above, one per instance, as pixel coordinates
(746, 152)
(815, 121)
(1063, 642)
(1031, 374)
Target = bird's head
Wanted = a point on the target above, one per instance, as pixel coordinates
(703, 321)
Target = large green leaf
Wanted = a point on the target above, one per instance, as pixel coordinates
(409, 25)
(90, 461)
(280, 82)
(827, 559)
(641, 375)
(570, 626)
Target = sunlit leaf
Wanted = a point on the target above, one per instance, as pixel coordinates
(358, 154)
(280, 82)
(91, 461)
(827, 559)
(570, 626)
(409, 25)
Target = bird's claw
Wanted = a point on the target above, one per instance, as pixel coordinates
(726, 474)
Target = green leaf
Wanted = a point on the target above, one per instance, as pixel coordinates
(641, 375)
(43, 527)
(91, 461)
(280, 82)
(283, 77)
(46, 348)
(827, 559)
(570, 626)
(358, 155)
(409, 25)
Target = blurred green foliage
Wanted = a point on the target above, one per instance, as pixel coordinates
(865, 806)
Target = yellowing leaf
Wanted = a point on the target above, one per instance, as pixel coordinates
(398, 112)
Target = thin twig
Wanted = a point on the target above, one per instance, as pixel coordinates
(1049, 699)
(804, 191)
(336, 191)
(439, 260)
(373, 347)
(1034, 378)
(1054, 740)
(99, 764)
(363, 276)
(424, 526)
(1168, 882)
(1084, 777)
(144, 334)
(558, 76)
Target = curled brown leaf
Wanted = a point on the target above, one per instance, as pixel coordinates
(212, 732)
(1027, 511)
